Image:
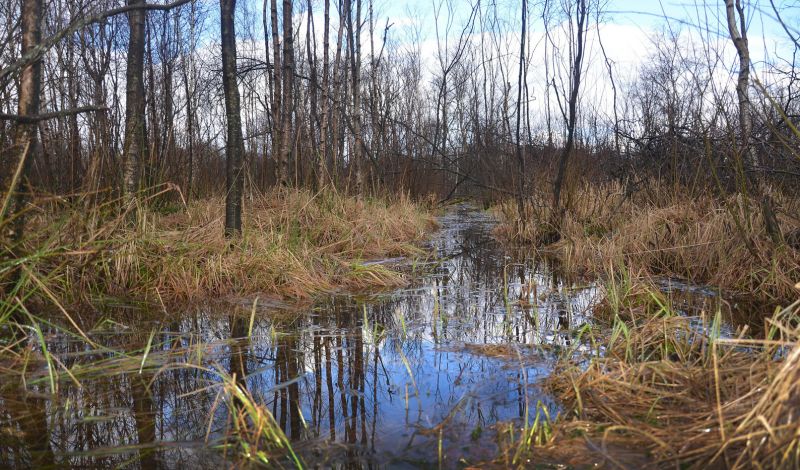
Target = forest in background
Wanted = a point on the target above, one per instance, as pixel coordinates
(157, 158)
(520, 107)
(336, 95)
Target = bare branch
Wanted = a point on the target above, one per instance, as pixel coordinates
(37, 52)
(53, 115)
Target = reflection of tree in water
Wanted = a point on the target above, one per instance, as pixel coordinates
(107, 412)
(355, 370)
(375, 386)
(144, 416)
(25, 439)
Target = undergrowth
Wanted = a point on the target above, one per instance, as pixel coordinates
(662, 390)
(295, 244)
(704, 240)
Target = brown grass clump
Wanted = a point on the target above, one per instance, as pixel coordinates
(703, 240)
(295, 244)
(669, 392)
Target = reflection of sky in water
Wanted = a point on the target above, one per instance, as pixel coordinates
(377, 379)
(398, 363)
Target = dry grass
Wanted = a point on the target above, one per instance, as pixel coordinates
(669, 392)
(664, 233)
(295, 244)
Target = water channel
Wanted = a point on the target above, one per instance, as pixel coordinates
(424, 376)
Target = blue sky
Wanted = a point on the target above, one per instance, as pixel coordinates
(647, 14)
(628, 30)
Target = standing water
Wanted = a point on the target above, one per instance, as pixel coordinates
(428, 375)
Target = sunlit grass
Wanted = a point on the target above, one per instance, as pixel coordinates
(672, 389)
(661, 232)
(295, 244)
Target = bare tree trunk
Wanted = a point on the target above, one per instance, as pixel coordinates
(189, 89)
(25, 140)
(339, 94)
(152, 167)
(135, 144)
(324, 134)
(234, 147)
(739, 37)
(25, 133)
(288, 89)
(311, 52)
(520, 149)
(581, 14)
(548, 117)
(277, 108)
(264, 173)
(166, 48)
(354, 39)
(373, 98)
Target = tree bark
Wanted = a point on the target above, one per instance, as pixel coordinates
(288, 89)
(738, 36)
(270, 125)
(189, 89)
(339, 94)
(581, 14)
(354, 38)
(520, 149)
(277, 108)
(25, 141)
(135, 144)
(313, 121)
(322, 171)
(234, 147)
(24, 146)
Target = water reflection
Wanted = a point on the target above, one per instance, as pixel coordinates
(25, 441)
(354, 381)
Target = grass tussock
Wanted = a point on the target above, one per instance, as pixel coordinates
(295, 244)
(705, 240)
(667, 390)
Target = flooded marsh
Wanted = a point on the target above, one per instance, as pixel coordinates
(438, 374)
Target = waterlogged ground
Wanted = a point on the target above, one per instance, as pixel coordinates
(428, 376)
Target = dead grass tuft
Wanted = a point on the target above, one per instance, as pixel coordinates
(295, 244)
(668, 390)
(704, 240)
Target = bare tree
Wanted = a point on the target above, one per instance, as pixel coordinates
(25, 133)
(135, 147)
(234, 147)
(581, 16)
(738, 34)
(276, 92)
(520, 86)
(322, 171)
(288, 92)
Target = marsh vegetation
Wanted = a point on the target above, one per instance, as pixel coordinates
(334, 234)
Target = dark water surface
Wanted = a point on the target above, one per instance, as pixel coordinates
(418, 377)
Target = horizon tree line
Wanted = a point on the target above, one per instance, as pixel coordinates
(116, 100)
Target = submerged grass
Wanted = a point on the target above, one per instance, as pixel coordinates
(705, 240)
(295, 244)
(664, 390)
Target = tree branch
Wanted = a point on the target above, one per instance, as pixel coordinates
(38, 51)
(45, 116)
